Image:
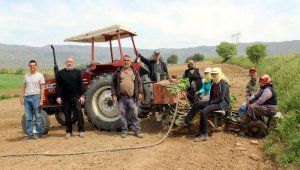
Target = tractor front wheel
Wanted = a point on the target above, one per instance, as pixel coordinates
(45, 123)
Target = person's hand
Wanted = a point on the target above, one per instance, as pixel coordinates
(136, 53)
(81, 100)
(140, 97)
(247, 103)
(58, 100)
(41, 102)
(22, 100)
(114, 98)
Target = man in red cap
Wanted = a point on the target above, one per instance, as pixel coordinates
(251, 87)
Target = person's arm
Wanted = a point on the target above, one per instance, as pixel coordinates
(42, 89)
(166, 70)
(58, 97)
(248, 91)
(267, 94)
(202, 90)
(113, 87)
(23, 93)
(145, 60)
(250, 99)
(81, 99)
(140, 87)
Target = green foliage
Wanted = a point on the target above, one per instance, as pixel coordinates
(11, 81)
(226, 50)
(232, 99)
(256, 52)
(4, 71)
(173, 59)
(181, 86)
(195, 57)
(20, 71)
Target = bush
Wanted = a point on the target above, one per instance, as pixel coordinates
(20, 71)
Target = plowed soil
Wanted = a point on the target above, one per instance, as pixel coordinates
(177, 152)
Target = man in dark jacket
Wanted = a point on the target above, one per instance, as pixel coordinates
(195, 80)
(70, 93)
(158, 69)
(126, 89)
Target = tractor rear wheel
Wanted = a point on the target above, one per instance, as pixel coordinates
(99, 107)
(45, 123)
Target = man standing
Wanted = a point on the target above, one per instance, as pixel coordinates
(126, 89)
(195, 80)
(70, 94)
(32, 99)
(158, 69)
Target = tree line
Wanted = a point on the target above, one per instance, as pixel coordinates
(226, 50)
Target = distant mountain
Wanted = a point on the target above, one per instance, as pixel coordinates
(17, 56)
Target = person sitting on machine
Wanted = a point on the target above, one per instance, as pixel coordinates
(219, 100)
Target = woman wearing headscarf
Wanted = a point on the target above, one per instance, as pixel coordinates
(263, 102)
(219, 100)
(204, 92)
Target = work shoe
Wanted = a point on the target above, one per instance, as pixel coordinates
(123, 135)
(82, 134)
(68, 135)
(28, 137)
(201, 138)
(36, 137)
(139, 135)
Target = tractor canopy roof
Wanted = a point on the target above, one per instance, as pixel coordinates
(103, 35)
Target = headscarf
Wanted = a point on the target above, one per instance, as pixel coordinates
(265, 79)
(220, 76)
(207, 77)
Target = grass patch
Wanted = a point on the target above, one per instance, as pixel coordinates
(2, 97)
(11, 81)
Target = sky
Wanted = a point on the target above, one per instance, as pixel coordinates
(158, 23)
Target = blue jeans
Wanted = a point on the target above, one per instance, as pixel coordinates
(32, 107)
(242, 109)
(128, 109)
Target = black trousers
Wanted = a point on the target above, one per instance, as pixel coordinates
(204, 108)
(74, 103)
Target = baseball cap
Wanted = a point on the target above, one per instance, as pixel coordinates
(156, 52)
(253, 69)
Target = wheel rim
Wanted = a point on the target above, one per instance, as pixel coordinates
(103, 105)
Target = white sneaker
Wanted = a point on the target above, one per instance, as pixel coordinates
(82, 134)
(68, 135)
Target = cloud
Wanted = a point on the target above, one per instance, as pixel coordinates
(159, 24)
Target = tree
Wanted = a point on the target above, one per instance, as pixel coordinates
(173, 59)
(256, 52)
(226, 50)
(195, 57)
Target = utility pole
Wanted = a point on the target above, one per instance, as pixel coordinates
(236, 39)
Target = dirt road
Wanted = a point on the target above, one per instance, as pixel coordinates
(221, 151)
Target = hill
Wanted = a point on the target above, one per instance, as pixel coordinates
(16, 56)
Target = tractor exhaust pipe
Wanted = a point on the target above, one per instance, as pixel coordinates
(55, 64)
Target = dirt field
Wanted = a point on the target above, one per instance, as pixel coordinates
(221, 151)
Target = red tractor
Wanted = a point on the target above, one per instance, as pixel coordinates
(99, 108)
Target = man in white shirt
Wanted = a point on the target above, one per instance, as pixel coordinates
(32, 99)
